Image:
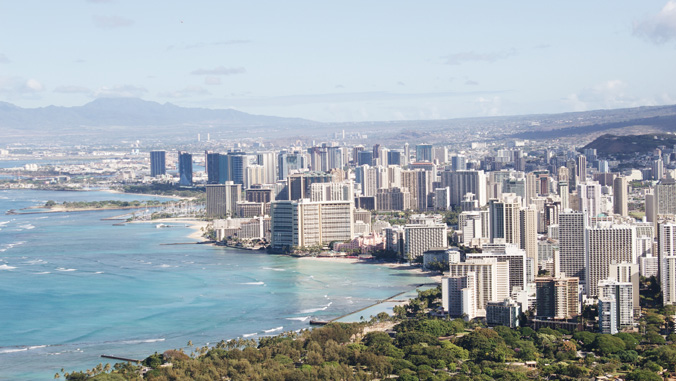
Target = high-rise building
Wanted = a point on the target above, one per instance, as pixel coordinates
(423, 152)
(222, 199)
(607, 310)
(622, 293)
(666, 248)
(332, 191)
(492, 280)
(185, 168)
(458, 295)
(590, 198)
(299, 184)
(658, 169)
(420, 238)
(306, 223)
(504, 313)
(441, 198)
(365, 157)
(506, 253)
(463, 182)
(459, 163)
(528, 223)
(393, 199)
(394, 158)
(628, 273)
(158, 163)
(557, 297)
(620, 199)
(290, 162)
(607, 243)
(268, 162)
(238, 161)
(665, 197)
(440, 155)
(581, 169)
(213, 161)
(572, 244)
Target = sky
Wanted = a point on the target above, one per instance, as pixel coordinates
(342, 61)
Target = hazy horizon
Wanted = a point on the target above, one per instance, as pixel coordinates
(347, 62)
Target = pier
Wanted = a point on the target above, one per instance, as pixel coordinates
(390, 299)
(120, 358)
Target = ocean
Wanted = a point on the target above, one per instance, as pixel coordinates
(74, 287)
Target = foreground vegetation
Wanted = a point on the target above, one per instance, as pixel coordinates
(417, 347)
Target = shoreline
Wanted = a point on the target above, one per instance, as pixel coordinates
(192, 223)
(427, 277)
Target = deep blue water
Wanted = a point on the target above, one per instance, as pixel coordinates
(73, 287)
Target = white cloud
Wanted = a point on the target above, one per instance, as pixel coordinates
(490, 57)
(34, 85)
(111, 22)
(490, 106)
(606, 95)
(661, 27)
(20, 88)
(221, 70)
(212, 81)
(124, 91)
(186, 92)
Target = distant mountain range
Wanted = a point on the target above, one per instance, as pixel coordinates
(116, 119)
(129, 114)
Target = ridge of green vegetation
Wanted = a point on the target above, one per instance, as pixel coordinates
(620, 145)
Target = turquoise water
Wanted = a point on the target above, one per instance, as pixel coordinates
(74, 287)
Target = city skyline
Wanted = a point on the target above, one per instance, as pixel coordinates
(346, 62)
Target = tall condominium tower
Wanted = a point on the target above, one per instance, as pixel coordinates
(581, 169)
(590, 197)
(157, 163)
(463, 182)
(423, 152)
(557, 297)
(666, 247)
(665, 197)
(213, 168)
(222, 199)
(492, 278)
(572, 244)
(620, 199)
(607, 243)
(305, 223)
(185, 168)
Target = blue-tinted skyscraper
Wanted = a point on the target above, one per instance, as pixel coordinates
(237, 163)
(157, 163)
(365, 157)
(423, 152)
(459, 163)
(213, 168)
(394, 158)
(185, 168)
